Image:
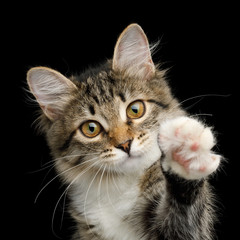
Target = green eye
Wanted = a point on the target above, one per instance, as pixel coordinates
(91, 128)
(136, 109)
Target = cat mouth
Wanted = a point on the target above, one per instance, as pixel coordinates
(131, 161)
(133, 156)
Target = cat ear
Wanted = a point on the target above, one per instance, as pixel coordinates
(51, 90)
(132, 53)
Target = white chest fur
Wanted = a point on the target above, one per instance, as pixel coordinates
(107, 205)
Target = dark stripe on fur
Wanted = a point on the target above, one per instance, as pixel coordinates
(87, 91)
(162, 105)
(122, 97)
(184, 191)
(111, 92)
(149, 215)
(78, 161)
(91, 109)
(96, 99)
(112, 80)
(67, 142)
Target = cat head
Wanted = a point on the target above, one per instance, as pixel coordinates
(107, 118)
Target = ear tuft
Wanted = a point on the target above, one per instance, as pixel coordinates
(132, 53)
(51, 89)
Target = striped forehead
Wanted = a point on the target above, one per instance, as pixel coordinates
(99, 90)
(106, 98)
(109, 108)
(103, 90)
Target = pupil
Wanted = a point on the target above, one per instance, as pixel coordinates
(135, 109)
(92, 127)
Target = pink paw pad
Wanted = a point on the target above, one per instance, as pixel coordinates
(180, 159)
(194, 147)
(202, 169)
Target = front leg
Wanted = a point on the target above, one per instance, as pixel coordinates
(186, 210)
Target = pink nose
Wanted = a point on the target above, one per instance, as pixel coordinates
(125, 146)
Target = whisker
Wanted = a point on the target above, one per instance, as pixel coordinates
(114, 182)
(53, 165)
(206, 95)
(89, 187)
(202, 114)
(55, 208)
(52, 162)
(192, 105)
(110, 201)
(99, 187)
(74, 155)
(201, 96)
(65, 193)
(67, 170)
(64, 203)
(42, 169)
(100, 181)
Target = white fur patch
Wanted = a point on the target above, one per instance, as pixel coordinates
(106, 203)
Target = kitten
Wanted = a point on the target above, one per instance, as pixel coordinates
(135, 164)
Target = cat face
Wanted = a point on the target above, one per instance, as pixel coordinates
(106, 119)
(119, 129)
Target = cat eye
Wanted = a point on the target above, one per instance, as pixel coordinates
(91, 129)
(136, 109)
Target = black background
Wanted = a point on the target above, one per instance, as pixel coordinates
(198, 42)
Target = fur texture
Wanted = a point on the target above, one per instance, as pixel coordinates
(136, 166)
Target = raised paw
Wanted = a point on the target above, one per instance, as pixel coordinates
(187, 145)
